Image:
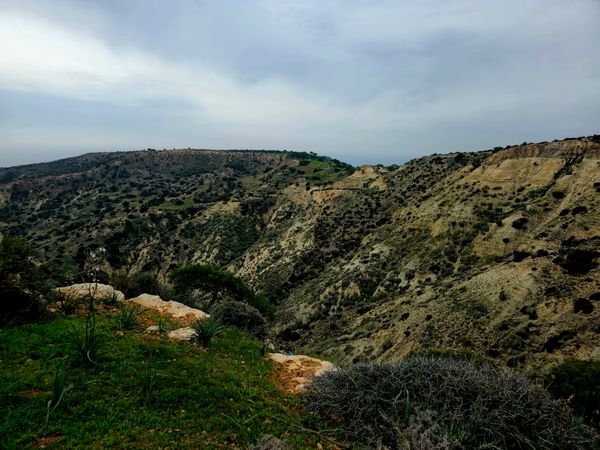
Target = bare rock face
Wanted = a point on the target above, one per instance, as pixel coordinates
(295, 371)
(176, 310)
(95, 290)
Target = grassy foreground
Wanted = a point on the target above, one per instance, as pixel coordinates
(147, 392)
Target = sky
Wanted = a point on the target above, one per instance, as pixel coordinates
(364, 81)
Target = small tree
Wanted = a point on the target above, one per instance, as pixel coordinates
(203, 276)
(24, 281)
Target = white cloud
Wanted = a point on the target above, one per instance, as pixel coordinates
(40, 56)
(335, 76)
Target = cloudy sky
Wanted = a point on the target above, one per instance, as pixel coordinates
(365, 81)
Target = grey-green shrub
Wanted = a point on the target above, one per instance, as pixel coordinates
(270, 443)
(426, 401)
(241, 315)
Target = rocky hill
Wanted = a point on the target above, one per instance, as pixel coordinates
(495, 251)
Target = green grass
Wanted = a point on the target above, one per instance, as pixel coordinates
(146, 392)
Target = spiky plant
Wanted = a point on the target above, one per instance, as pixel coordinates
(89, 346)
(206, 330)
(127, 319)
(59, 389)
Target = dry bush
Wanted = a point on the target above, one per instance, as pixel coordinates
(440, 402)
(269, 443)
(241, 315)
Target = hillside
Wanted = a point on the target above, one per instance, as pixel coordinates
(144, 391)
(494, 251)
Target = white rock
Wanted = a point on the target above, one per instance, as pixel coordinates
(96, 290)
(182, 334)
(171, 308)
(152, 329)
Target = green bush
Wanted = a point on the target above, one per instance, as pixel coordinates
(440, 402)
(136, 284)
(18, 305)
(578, 381)
(201, 276)
(241, 315)
(24, 282)
(59, 389)
(67, 302)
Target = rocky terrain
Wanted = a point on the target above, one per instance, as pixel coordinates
(494, 252)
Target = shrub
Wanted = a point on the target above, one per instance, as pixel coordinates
(437, 402)
(580, 381)
(18, 305)
(241, 315)
(24, 282)
(206, 330)
(269, 443)
(59, 389)
(520, 224)
(111, 298)
(136, 284)
(200, 276)
(148, 385)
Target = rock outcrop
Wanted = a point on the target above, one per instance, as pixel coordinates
(178, 311)
(293, 372)
(182, 334)
(95, 290)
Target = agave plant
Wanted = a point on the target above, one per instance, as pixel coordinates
(59, 389)
(111, 298)
(68, 302)
(127, 319)
(89, 346)
(206, 330)
(162, 326)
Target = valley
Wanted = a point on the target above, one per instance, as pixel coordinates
(494, 252)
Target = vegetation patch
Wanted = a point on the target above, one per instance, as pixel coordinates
(439, 402)
(204, 276)
(579, 382)
(144, 392)
(24, 281)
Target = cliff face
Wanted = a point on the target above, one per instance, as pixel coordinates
(494, 251)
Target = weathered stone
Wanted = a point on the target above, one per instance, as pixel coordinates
(96, 290)
(182, 334)
(176, 310)
(295, 371)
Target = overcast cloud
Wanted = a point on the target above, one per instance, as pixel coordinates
(363, 81)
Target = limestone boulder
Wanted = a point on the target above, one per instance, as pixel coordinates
(182, 313)
(95, 290)
(182, 334)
